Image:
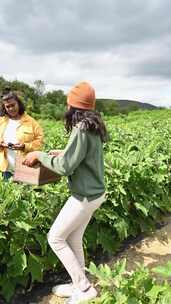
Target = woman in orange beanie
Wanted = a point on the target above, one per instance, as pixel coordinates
(82, 162)
(82, 96)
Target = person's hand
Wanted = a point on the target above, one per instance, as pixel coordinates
(3, 145)
(31, 159)
(56, 152)
(16, 146)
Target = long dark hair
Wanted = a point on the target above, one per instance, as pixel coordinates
(7, 97)
(90, 120)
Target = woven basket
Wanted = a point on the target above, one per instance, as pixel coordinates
(37, 175)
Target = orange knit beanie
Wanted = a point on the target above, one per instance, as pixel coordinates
(82, 96)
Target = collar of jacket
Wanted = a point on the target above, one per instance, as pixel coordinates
(24, 118)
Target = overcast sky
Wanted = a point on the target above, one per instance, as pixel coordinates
(122, 47)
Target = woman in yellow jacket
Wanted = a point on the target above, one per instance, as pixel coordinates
(19, 133)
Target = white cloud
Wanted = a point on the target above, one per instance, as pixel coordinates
(122, 48)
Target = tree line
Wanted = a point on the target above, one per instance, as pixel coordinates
(52, 105)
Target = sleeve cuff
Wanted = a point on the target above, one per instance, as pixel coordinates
(42, 157)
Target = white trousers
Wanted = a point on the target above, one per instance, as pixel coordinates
(66, 233)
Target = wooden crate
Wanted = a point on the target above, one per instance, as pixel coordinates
(37, 175)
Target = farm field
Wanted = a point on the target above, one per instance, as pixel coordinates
(138, 181)
(151, 251)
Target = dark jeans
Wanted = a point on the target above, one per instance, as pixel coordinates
(6, 175)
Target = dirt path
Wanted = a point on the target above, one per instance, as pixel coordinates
(151, 251)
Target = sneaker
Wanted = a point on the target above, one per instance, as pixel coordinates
(63, 290)
(78, 296)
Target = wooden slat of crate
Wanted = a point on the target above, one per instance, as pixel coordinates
(37, 175)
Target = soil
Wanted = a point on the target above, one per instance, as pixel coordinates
(152, 250)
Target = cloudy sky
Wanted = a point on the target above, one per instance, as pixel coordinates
(122, 47)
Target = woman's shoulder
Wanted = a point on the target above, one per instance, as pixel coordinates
(80, 127)
(3, 118)
(27, 118)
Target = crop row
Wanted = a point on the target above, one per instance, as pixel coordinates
(138, 183)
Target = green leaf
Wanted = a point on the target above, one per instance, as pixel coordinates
(142, 208)
(122, 228)
(7, 288)
(132, 300)
(164, 270)
(165, 298)
(107, 240)
(154, 292)
(35, 267)
(23, 225)
(108, 270)
(17, 264)
(121, 298)
(121, 189)
(3, 235)
(51, 260)
(121, 266)
(92, 268)
(91, 236)
(42, 241)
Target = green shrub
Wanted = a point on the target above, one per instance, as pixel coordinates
(138, 183)
(117, 286)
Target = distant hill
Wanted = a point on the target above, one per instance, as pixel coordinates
(142, 105)
(124, 103)
(121, 106)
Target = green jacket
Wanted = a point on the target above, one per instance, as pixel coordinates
(82, 162)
